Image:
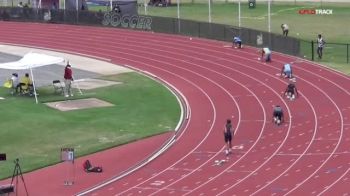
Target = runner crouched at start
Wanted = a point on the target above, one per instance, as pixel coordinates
(237, 42)
(266, 54)
(291, 91)
(278, 116)
(287, 71)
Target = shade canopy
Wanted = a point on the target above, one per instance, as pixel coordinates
(32, 60)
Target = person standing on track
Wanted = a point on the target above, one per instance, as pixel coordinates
(228, 133)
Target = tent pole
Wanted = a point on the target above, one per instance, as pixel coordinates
(32, 76)
(239, 13)
(209, 6)
(81, 93)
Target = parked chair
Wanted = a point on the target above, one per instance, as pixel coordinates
(58, 86)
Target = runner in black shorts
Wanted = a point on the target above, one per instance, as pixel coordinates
(278, 116)
(291, 91)
(228, 136)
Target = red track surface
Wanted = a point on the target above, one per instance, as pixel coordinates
(308, 155)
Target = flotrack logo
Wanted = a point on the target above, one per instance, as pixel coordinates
(126, 21)
(316, 11)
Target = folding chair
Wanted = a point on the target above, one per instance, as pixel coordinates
(58, 87)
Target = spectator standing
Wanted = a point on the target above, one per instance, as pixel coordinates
(15, 83)
(68, 78)
(320, 45)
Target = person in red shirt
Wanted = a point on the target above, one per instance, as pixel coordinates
(68, 78)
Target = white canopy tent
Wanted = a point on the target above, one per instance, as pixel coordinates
(31, 61)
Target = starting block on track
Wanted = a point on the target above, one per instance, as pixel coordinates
(239, 147)
(219, 162)
(293, 79)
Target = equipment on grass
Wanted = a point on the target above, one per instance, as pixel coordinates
(2, 157)
(18, 172)
(8, 84)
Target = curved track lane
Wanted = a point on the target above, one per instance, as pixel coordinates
(307, 155)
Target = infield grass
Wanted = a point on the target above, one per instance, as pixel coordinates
(35, 133)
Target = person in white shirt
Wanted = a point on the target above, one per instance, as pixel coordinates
(320, 45)
(266, 54)
(287, 70)
(285, 29)
(15, 83)
(237, 42)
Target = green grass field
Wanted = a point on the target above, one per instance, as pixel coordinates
(302, 26)
(35, 133)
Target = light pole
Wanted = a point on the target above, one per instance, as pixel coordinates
(269, 15)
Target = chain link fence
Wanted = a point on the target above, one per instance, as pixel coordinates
(332, 52)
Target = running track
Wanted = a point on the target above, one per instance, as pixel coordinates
(307, 155)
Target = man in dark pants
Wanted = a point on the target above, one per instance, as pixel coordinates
(228, 136)
(320, 45)
(291, 91)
